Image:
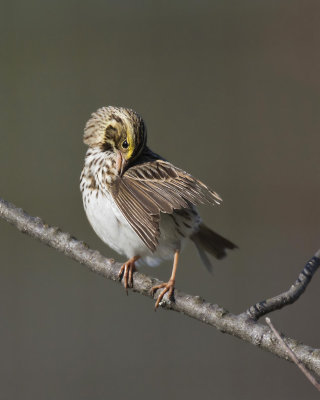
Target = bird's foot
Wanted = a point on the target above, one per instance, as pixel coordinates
(168, 287)
(126, 272)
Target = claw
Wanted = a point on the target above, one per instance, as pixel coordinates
(126, 272)
(168, 287)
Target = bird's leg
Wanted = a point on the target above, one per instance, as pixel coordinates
(169, 286)
(126, 272)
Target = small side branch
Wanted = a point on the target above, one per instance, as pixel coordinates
(293, 357)
(290, 296)
(195, 307)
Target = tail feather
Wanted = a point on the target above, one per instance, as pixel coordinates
(208, 241)
(204, 257)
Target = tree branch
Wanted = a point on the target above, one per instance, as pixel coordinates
(290, 296)
(293, 357)
(240, 326)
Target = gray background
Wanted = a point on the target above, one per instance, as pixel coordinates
(230, 92)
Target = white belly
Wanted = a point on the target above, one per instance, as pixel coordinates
(113, 229)
(111, 226)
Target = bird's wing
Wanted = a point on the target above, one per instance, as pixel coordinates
(149, 188)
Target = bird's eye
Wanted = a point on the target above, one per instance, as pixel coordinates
(125, 144)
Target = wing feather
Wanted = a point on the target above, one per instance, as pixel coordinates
(146, 226)
(147, 189)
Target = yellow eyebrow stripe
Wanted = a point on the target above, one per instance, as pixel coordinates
(131, 145)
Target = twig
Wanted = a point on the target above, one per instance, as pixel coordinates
(294, 358)
(239, 326)
(290, 296)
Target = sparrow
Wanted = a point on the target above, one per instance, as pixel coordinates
(138, 203)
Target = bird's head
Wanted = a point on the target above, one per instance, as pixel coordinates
(118, 130)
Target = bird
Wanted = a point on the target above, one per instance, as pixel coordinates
(138, 203)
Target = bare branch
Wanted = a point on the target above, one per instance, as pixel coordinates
(239, 326)
(294, 358)
(290, 296)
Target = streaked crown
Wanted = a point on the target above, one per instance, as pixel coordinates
(116, 128)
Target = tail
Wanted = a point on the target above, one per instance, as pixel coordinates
(208, 241)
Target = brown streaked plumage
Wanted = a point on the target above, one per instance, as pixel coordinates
(137, 202)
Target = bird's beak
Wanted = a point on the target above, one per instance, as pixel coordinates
(120, 163)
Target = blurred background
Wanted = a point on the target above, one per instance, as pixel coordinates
(230, 91)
